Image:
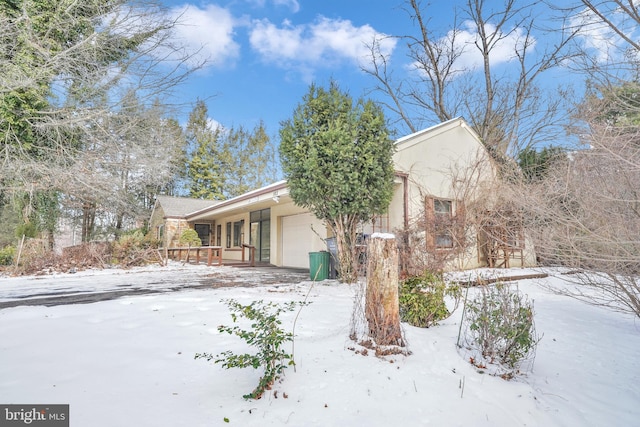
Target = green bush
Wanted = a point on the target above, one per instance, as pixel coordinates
(501, 326)
(422, 300)
(266, 335)
(28, 229)
(7, 255)
(189, 237)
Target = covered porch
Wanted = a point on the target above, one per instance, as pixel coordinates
(262, 227)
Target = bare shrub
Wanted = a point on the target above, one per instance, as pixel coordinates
(414, 256)
(585, 214)
(475, 200)
(32, 256)
(136, 249)
(88, 255)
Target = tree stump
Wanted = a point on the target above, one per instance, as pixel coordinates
(381, 300)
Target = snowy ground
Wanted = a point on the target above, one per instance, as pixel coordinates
(129, 361)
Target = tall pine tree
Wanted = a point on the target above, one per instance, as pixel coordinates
(206, 161)
(251, 160)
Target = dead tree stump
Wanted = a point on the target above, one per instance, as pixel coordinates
(381, 299)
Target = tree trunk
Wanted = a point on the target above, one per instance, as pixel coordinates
(344, 228)
(381, 305)
(88, 220)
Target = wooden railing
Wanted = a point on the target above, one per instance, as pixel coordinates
(252, 254)
(213, 252)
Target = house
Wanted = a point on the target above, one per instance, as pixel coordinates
(436, 169)
(168, 219)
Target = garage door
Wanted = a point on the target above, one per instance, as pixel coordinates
(298, 239)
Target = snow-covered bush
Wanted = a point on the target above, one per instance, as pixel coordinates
(422, 300)
(500, 328)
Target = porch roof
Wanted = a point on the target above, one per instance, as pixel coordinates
(253, 200)
(180, 207)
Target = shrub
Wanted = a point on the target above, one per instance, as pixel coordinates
(266, 336)
(88, 255)
(7, 255)
(189, 237)
(134, 248)
(28, 229)
(422, 300)
(501, 327)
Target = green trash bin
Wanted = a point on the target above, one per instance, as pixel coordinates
(319, 265)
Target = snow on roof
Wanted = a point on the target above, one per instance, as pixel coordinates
(181, 206)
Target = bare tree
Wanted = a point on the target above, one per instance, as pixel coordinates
(457, 74)
(73, 66)
(586, 213)
(607, 40)
(621, 16)
(476, 198)
(124, 163)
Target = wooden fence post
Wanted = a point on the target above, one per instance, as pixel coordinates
(381, 301)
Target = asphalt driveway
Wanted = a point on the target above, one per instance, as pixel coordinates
(85, 289)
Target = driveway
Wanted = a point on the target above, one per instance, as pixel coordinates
(100, 285)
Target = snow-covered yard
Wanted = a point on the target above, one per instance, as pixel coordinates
(130, 361)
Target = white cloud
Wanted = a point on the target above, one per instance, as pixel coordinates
(597, 37)
(326, 42)
(276, 43)
(293, 5)
(208, 31)
(213, 125)
(468, 57)
(504, 50)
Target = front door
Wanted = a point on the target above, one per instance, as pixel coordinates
(260, 235)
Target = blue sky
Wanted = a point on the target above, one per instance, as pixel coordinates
(263, 54)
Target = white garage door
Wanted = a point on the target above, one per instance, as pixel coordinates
(298, 239)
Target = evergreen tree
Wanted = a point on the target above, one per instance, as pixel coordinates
(337, 157)
(206, 160)
(250, 160)
(535, 164)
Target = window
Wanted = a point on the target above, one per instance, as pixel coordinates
(160, 234)
(444, 226)
(219, 235)
(203, 231)
(443, 210)
(237, 233)
(228, 235)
